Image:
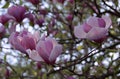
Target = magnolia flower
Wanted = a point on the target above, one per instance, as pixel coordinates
(23, 40)
(95, 29)
(47, 50)
(5, 18)
(18, 12)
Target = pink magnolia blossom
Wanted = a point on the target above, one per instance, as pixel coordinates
(95, 29)
(23, 40)
(5, 18)
(2, 30)
(47, 50)
(17, 12)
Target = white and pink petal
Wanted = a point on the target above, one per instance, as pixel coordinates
(33, 54)
(57, 50)
(96, 33)
(79, 32)
(107, 20)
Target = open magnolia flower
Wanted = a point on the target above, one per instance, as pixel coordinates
(95, 29)
(23, 40)
(18, 12)
(5, 18)
(47, 50)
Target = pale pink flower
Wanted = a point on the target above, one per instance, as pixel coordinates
(23, 40)
(18, 12)
(47, 50)
(95, 29)
(5, 18)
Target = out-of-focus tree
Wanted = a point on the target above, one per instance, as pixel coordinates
(59, 39)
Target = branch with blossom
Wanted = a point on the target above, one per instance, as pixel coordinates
(60, 39)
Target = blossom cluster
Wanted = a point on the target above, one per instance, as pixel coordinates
(46, 49)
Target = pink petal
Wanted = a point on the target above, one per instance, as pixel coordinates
(86, 27)
(31, 44)
(36, 35)
(17, 42)
(79, 32)
(57, 50)
(96, 33)
(49, 46)
(5, 18)
(41, 48)
(33, 54)
(12, 28)
(20, 44)
(107, 21)
(54, 42)
(93, 21)
(101, 22)
(12, 36)
(2, 28)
